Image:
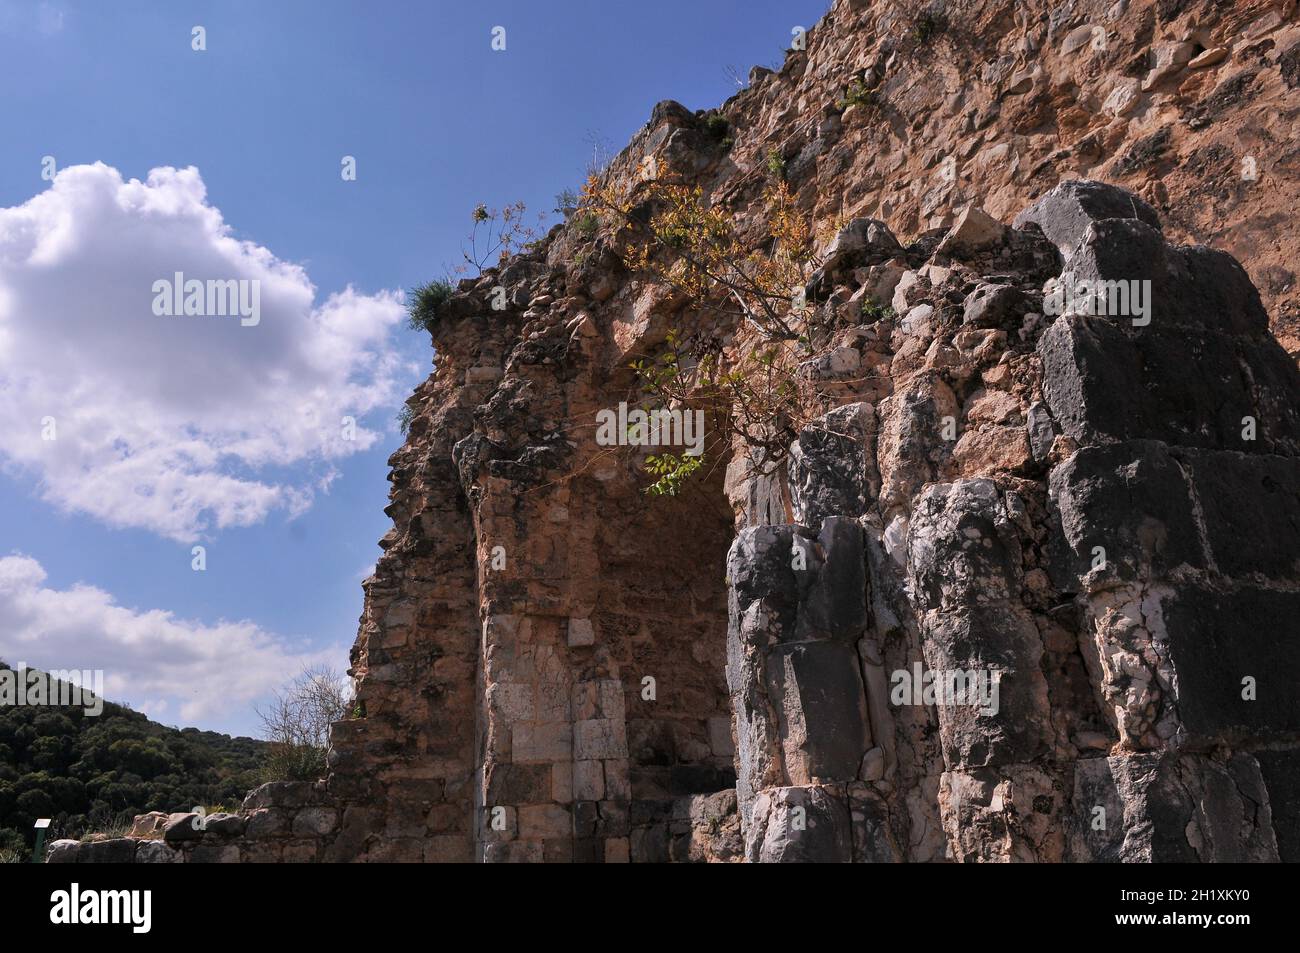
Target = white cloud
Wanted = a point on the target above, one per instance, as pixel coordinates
(180, 425)
(161, 665)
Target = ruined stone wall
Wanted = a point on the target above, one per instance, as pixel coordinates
(967, 457)
(1108, 531)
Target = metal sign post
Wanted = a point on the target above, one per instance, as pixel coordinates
(38, 852)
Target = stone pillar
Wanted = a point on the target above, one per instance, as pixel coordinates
(1176, 505)
(798, 608)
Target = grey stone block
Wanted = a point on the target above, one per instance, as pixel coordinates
(816, 688)
(833, 465)
(63, 852)
(800, 825)
(1216, 639)
(1183, 386)
(1281, 773)
(182, 827)
(1250, 504)
(962, 549)
(120, 850)
(1065, 212)
(1133, 501)
(1192, 809)
(158, 852)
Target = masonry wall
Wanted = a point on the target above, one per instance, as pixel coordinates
(966, 458)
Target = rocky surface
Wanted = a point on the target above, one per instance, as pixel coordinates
(1081, 524)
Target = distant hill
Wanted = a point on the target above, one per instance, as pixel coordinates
(95, 772)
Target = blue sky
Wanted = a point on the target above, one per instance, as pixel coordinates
(94, 552)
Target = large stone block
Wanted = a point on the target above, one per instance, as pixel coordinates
(1217, 640)
(1251, 510)
(874, 841)
(980, 643)
(158, 852)
(1098, 833)
(995, 707)
(790, 585)
(1127, 506)
(797, 609)
(119, 850)
(1192, 808)
(518, 783)
(1184, 287)
(1012, 814)
(816, 689)
(1194, 388)
(63, 851)
(962, 548)
(1184, 386)
(833, 465)
(800, 825)
(1065, 212)
(182, 827)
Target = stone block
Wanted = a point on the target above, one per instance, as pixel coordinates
(581, 633)
(266, 822)
(599, 738)
(588, 781)
(157, 852)
(315, 821)
(542, 821)
(544, 742)
(833, 465)
(182, 827)
(212, 854)
(1250, 505)
(63, 851)
(118, 850)
(816, 688)
(521, 783)
(800, 825)
(1133, 501)
(1218, 639)
(1281, 773)
(225, 825)
(1066, 211)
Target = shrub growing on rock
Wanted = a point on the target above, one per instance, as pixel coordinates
(423, 303)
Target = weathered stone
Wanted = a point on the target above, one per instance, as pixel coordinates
(267, 822)
(182, 827)
(833, 465)
(1219, 640)
(159, 852)
(146, 824)
(817, 690)
(212, 854)
(119, 850)
(1066, 211)
(63, 851)
(974, 231)
(315, 821)
(800, 825)
(1126, 511)
(224, 825)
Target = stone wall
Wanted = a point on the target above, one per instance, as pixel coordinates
(1124, 559)
(552, 666)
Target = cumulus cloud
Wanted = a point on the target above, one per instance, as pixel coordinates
(172, 669)
(177, 424)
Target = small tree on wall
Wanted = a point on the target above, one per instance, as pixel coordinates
(297, 724)
(671, 233)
